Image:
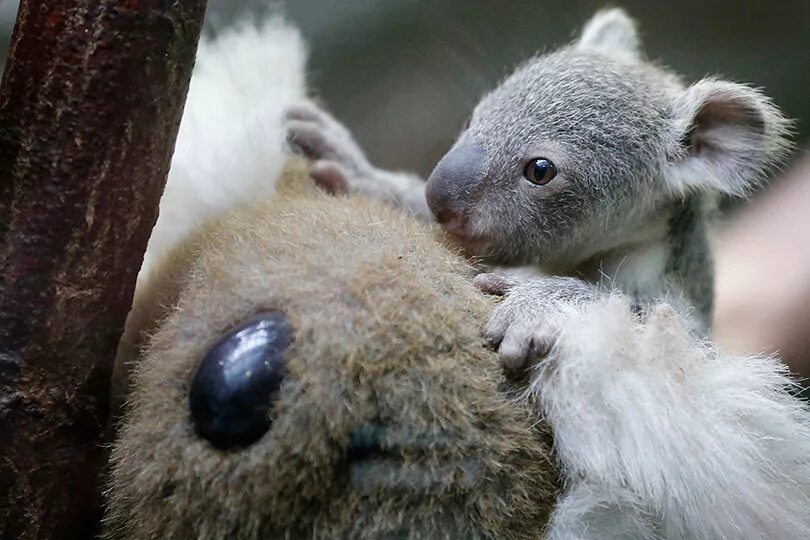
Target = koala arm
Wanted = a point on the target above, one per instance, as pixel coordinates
(341, 166)
(658, 432)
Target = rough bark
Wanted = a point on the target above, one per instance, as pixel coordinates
(90, 104)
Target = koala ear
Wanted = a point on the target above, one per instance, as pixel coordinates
(730, 136)
(611, 32)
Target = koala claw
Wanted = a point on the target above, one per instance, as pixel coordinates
(525, 325)
(491, 283)
(340, 166)
(338, 161)
(516, 327)
(330, 176)
(521, 337)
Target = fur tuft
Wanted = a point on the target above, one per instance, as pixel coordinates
(612, 32)
(662, 423)
(230, 148)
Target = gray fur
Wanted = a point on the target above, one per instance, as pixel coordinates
(641, 158)
(689, 254)
(340, 164)
(613, 33)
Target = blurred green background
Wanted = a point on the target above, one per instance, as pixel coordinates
(404, 74)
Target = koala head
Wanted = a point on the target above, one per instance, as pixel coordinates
(320, 374)
(579, 149)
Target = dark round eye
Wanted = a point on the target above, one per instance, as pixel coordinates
(238, 380)
(540, 171)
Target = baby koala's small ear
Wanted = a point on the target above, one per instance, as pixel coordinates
(611, 32)
(730, 136)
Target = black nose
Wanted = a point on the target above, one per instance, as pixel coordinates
(452, 182)
(238, 380)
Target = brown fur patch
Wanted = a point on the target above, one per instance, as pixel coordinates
(387, 334)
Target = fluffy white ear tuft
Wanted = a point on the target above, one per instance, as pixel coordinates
(611, 32)
(731, 135)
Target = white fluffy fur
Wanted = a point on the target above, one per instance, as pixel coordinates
(641, 271)
(612, 32)
(230, 148)
(660, 435)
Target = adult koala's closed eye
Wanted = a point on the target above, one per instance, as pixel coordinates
(589, 162)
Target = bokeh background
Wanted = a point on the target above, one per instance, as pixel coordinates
(404, 75)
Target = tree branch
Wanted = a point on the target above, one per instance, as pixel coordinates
(90, 104)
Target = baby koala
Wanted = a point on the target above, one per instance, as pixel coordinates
(591, 164)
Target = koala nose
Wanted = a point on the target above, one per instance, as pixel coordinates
(238, 380)
(449, 185)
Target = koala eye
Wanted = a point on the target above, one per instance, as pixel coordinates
(540, 171)
(238, 380)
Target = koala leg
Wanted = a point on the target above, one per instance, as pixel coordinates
(653, 420)
(340, 165)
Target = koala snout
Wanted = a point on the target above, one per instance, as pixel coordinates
(238, 380)
(452, 182)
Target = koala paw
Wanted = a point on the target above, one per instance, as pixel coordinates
(339, 164)
(525, 325)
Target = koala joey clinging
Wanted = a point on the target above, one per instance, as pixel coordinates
(296, 366)
(588, 162)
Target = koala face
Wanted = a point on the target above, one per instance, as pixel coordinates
(561, 159)
(589, 149)
(321, 375)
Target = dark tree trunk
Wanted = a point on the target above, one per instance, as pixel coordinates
(90, 103)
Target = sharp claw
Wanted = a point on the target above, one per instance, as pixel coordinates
(331, 177)
(495, 329)
(492, 284)
(307, 139)
(541, 345)
(514, 353)
(493, 340)
(513, 364)
(304, 112)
